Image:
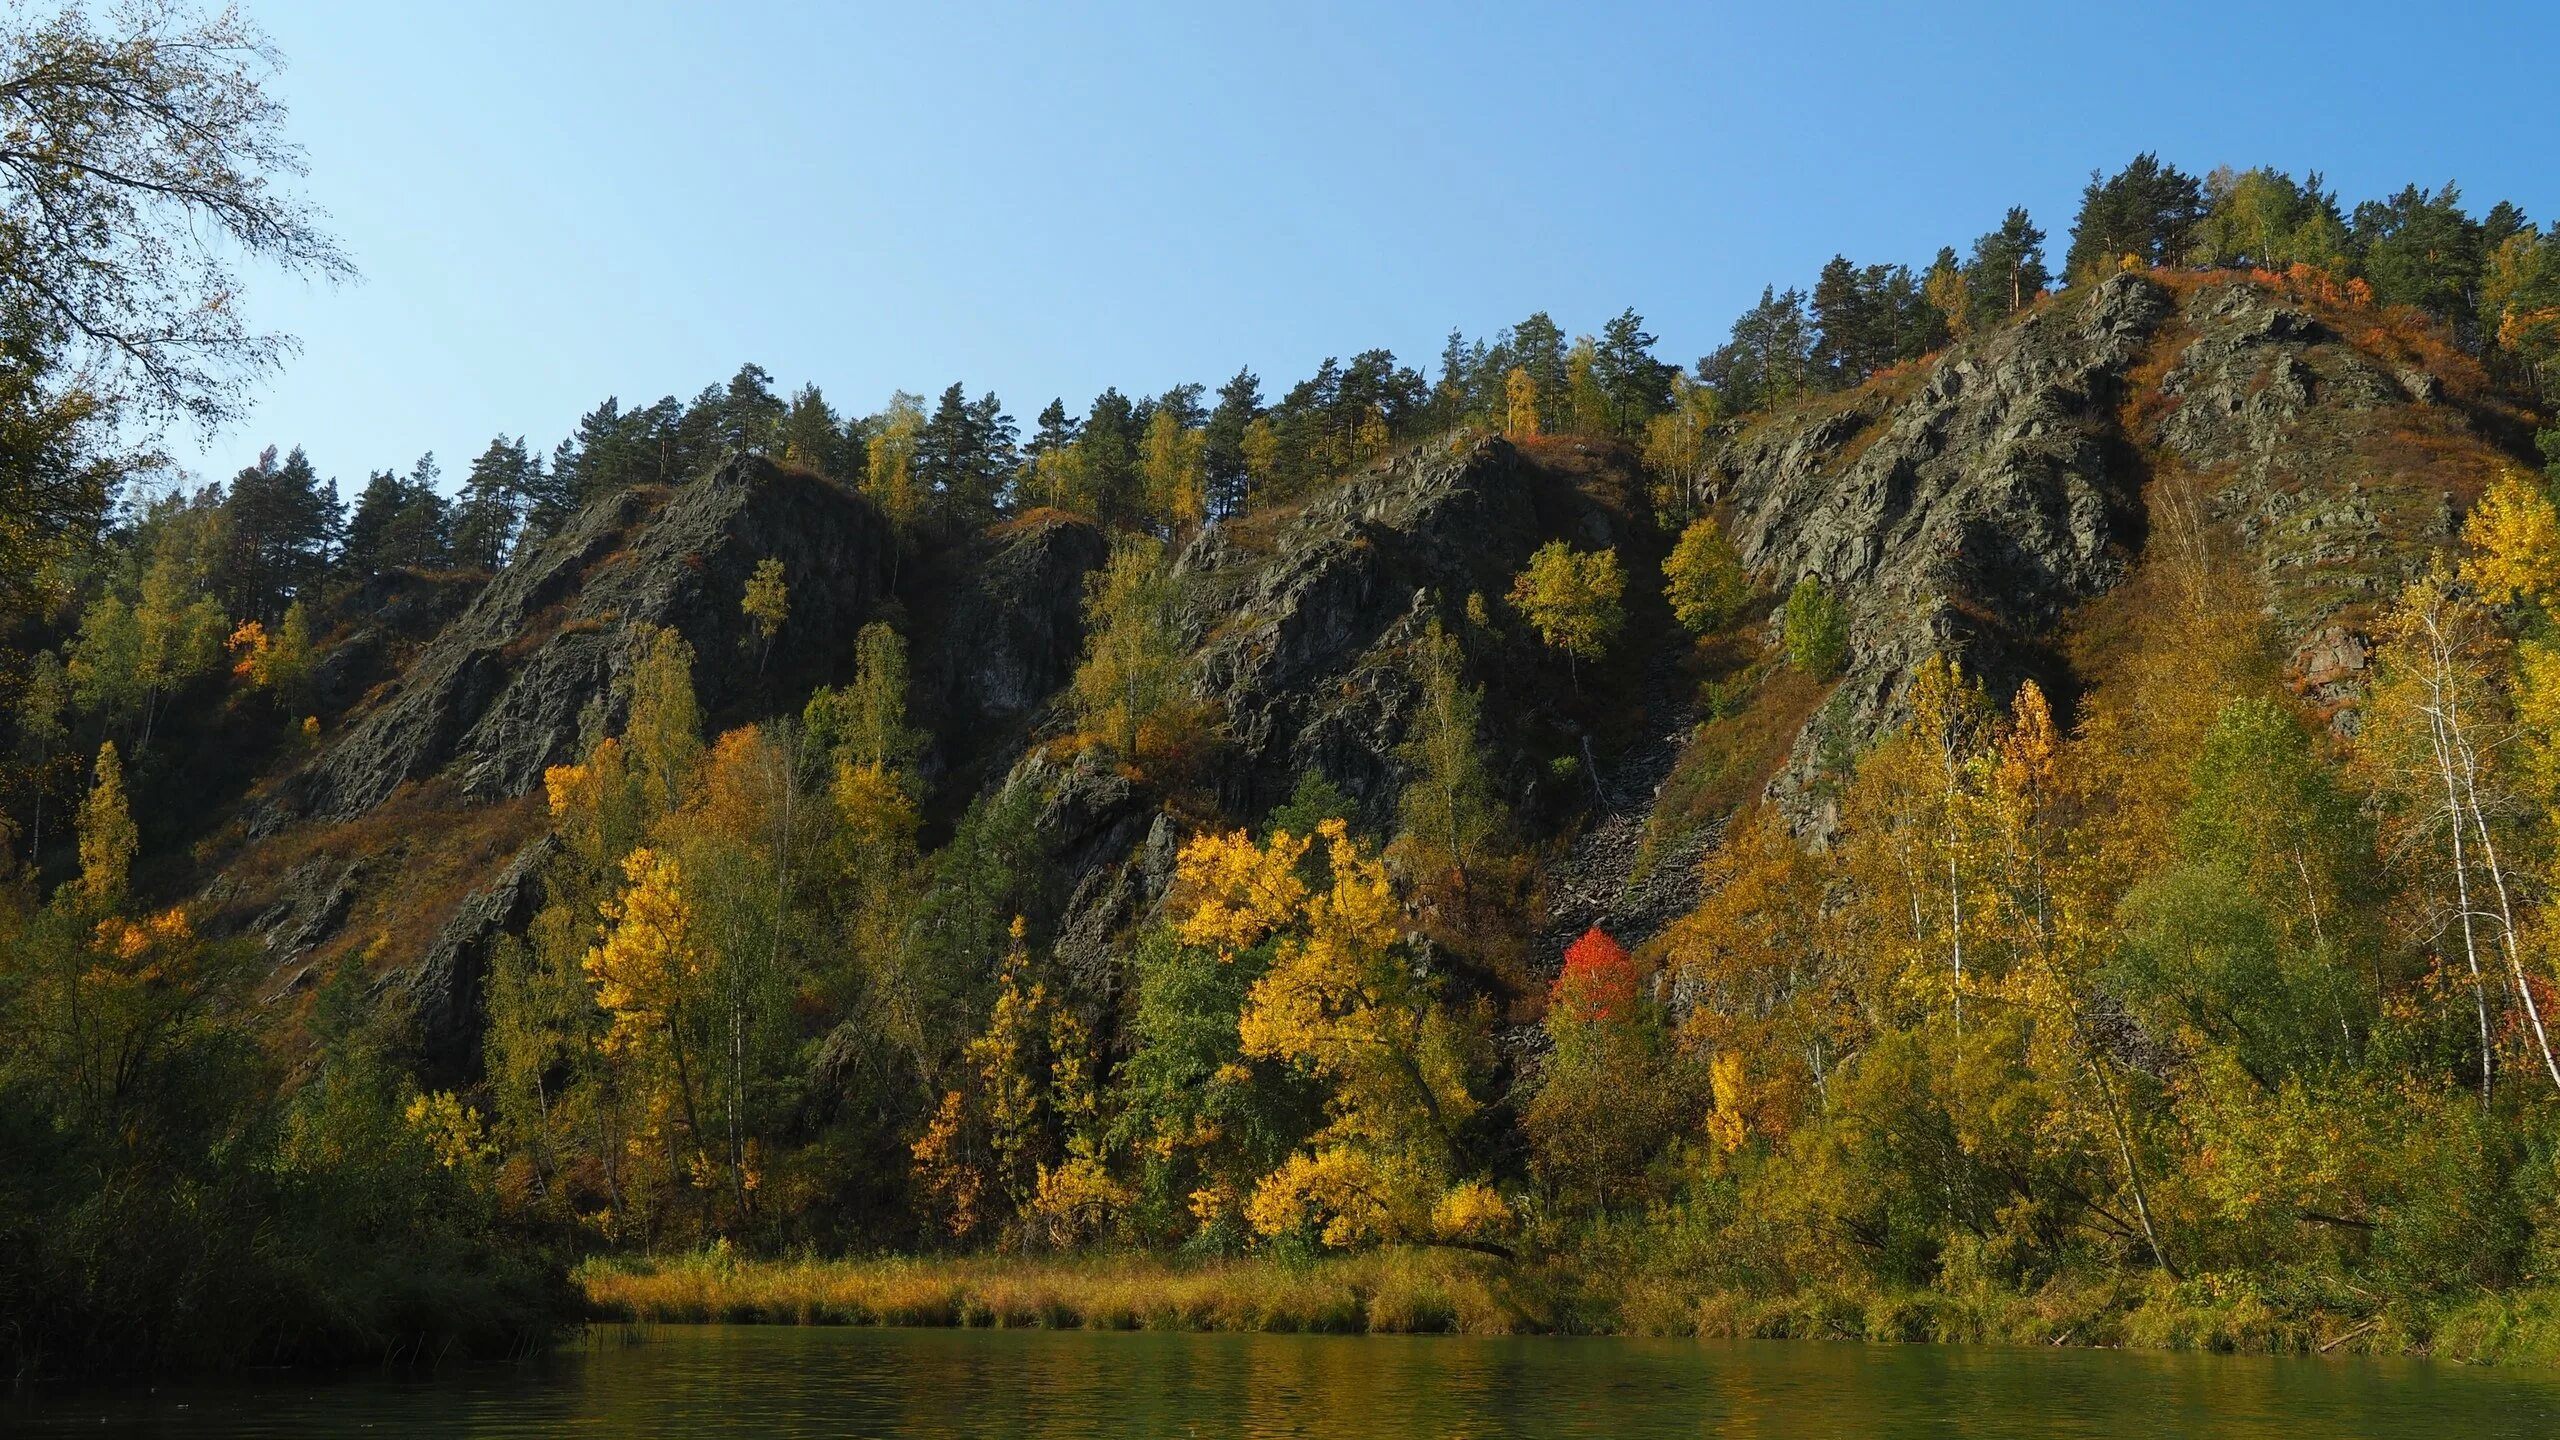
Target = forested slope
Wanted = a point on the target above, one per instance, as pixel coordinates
(1980, 793)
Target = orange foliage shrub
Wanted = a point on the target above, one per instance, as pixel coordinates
(1599, 979)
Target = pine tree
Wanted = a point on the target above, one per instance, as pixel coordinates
(280, 522)
(1946, 291)
(2146, 210)
(811, 436)
(748, 415)
(1108, 448)
(2006, 271)
(495, 498)
(1537, 345)
(1637, 385)
(1228, 471)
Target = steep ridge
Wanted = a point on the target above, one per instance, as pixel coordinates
(504, 690)
(1967, 507)
(1971, 504)
(1304, 632)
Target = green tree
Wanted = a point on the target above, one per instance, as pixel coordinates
(146, 159)
(1574, 601)
(41, 737)
(866, 722)
(1636, 386)
(2265, 218)
(1135, 678)
(814, 438)
(1447, 813)
(495, 496)
(664, 730)
(2146, 210)
(1817, 629)
(2421, 248)
(2007, 270)
(279, 524)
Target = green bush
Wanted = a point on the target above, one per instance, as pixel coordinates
(1817, 630)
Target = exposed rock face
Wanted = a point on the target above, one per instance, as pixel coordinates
(1988, 502)
(1965, 509)
(446, 989)
(2290, 420)
(500, 693)
(1302, 648)
(1009, 637)
(314, 900)
(1969, 516)
(1304, 653)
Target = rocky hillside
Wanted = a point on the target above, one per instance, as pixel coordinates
(1971, 504)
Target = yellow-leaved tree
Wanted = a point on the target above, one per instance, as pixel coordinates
(1705, 580)
(2512, 543)
(1342, 1001)
(651, 977)
(1574, 601)
(1133, 690)
(1520, 405)
(766, 604)
(108, 839)
(1172, 459)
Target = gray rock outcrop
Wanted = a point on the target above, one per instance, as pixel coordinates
(501, 692)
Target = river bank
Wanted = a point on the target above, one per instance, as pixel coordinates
(1432, 1292)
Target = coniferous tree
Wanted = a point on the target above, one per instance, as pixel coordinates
(496, 496)
(1537, 345)
(1108, 444)
(964, 456)
(748, 420)
(280, 524)
(2147, 210)
(813, 437)
(397, 523)
(1635, 384)
(1222, 454)
(2420, 248)
(1945, 288)
(2007, 269)
(1769, 360)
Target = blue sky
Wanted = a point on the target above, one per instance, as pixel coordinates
(555, 202)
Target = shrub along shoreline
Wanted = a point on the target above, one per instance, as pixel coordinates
(1413, 1291)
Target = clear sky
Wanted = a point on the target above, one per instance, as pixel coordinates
(552, 202)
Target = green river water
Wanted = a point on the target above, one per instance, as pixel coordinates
(755, 1381)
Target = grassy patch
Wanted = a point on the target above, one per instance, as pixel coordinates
(1378, 1292)
(1408, 1292)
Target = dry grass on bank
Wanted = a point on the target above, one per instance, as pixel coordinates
(1380, 1292)
(1447, 1292)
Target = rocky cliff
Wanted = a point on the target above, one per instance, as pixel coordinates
(505, 689)
(1972, 503)
(1968, 505)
